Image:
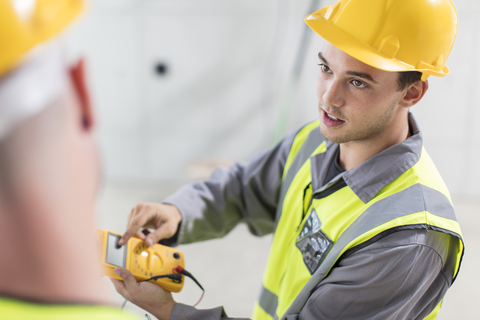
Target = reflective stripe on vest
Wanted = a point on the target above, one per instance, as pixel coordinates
(417, 199)
(307, 142)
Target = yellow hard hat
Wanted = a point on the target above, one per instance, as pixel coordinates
(391, 35)
(20, 33)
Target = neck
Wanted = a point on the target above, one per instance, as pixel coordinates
(46, 260)
(354, 153)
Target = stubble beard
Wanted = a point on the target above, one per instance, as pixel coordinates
(364, 134)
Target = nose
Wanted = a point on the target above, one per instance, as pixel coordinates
(333, 94)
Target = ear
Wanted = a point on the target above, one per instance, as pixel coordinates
(77, 74)
(414, 94)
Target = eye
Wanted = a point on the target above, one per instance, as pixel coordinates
(358, 84)
(325, 68)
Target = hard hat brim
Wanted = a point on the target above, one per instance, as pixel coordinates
(360, 51)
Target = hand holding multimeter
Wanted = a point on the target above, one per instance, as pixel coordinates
(158, 264)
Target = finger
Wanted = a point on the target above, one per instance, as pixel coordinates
(145, 233)
(120, 287)
(146, 215)
(138, 220)
(165, 231)
(133, 213)
(139, 234)
(128, 278)
(168, 226)
(124, 239)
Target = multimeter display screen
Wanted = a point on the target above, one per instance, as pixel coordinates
(115, 256)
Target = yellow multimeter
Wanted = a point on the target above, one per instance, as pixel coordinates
(142, 261)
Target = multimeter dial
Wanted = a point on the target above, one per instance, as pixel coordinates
(146, 260)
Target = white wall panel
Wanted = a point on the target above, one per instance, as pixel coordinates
(470, 31)
(221, 58)
(448, 113)
(228, 68)
(110, 43)
(212, 100)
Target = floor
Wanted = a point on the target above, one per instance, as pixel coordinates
(231, 269)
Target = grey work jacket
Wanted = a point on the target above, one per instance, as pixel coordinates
(375, 282)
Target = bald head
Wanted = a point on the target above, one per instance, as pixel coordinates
(39, 112)
(48, 181)
(32, 154)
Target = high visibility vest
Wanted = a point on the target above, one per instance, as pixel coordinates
(339, 221)
(11, 309)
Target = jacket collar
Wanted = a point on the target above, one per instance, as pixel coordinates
(367, 179)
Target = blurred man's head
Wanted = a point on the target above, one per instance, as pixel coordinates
(34, 79)
(46, 143)
(48, 159)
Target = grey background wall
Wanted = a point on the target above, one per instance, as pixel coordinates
(211, 103)
(228, 67)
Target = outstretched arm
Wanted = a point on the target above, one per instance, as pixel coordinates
(245, 192)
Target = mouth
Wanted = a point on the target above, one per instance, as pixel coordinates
(330, 120)
(332, 117)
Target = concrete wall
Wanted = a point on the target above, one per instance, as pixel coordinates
(228, 65)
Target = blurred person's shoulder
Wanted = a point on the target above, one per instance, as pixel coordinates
(14, 309)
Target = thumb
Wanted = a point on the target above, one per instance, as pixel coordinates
(165, 231)
(126, 276)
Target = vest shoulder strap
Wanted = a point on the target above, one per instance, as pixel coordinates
(305, 143)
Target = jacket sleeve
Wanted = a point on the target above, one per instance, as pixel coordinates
(245, 192)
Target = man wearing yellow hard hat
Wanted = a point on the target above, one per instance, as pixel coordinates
(363, 223)
(48, 171)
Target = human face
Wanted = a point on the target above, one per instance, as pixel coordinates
(357, 103)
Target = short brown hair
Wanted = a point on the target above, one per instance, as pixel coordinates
(406, 78)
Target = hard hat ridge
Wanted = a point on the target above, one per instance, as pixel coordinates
(20, 32)
(32, 70)
(392, 35)
(24, 8)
